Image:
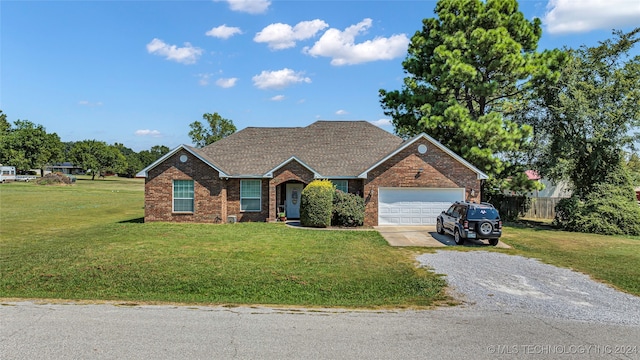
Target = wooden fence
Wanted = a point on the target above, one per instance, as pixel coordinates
(515, 207)
(542, 208)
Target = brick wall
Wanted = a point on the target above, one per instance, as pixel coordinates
(209, 191)
(440, 170)
(233, 202)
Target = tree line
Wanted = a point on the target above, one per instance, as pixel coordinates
(27, 145)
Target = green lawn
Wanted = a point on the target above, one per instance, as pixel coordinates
(87, 241)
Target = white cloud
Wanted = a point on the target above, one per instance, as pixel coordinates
(341, 46)
(278, 79)
(223, 31)
(248, 6)
(341, 112)
(282, 36)
(226, 83)
(147, 132)
(90, 104)
(278, 98)
(571, 16)
(381, 122)
(204, 79)
(185, 55)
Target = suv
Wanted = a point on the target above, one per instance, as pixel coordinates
(465, 220)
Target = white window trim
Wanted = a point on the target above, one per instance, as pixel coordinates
(173, 197)
(341, 180)
(252, 198)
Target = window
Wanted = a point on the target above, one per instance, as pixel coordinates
(182, 195)
(342, 185)
(250, 195)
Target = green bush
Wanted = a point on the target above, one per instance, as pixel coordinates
(316, 203)
(566, 210)
(348, 209)
(608, 209)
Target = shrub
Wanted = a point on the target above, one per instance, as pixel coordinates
(316, 203)
(608, 209)
(348, 209)
(566, 210)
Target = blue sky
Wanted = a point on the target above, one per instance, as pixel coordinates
(139, 72)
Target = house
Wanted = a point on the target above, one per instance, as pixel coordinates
(551, 189)
(253, 174)
(65, 168)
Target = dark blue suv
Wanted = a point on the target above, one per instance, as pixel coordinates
(466, 220)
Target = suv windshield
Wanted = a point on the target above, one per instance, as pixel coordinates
(482, 213)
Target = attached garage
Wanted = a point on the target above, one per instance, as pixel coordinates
(414, 206)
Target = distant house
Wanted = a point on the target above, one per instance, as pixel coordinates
(545, 200)
(65, 168)
(551, 189)
(257, 172)
(638, 193)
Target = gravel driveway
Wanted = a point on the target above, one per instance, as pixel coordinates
(515, 284)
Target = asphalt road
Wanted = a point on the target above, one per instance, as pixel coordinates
(110, 331)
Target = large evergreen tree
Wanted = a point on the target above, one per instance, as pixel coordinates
(469, 68)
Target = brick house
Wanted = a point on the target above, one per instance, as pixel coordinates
(257, 172)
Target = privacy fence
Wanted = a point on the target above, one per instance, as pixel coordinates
(514, 207)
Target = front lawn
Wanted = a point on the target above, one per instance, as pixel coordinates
(87, 241)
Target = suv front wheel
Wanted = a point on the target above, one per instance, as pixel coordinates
(439, 227)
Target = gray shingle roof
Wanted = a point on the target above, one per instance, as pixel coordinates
(332, 148)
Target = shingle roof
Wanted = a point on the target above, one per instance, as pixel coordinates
(332, 148)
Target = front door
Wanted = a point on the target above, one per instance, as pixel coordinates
(293, 200)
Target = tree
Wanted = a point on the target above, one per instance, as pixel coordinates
(5, 126)
(633, 165)
(468, 71)
(589, 114)
(147, 157)
(97, 156)
(28, 145)
(218, 128)
(132, 161)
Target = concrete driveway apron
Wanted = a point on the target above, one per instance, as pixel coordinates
(424, 236)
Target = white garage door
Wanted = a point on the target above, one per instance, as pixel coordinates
(414, 206)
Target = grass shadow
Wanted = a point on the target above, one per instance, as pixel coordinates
(139, 220)
(533, 224)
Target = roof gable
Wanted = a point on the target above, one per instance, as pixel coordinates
(269, 174)
(193, 151)
(481, 175)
